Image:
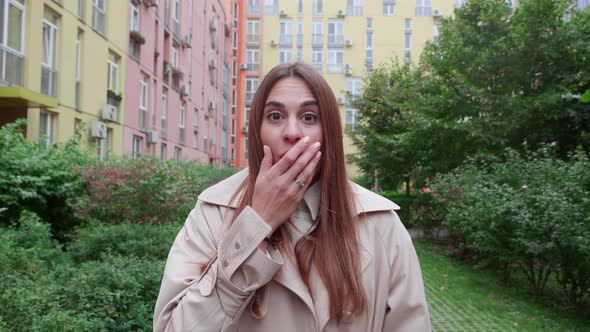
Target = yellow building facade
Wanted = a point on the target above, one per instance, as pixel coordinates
(345, 39)
(71, 51)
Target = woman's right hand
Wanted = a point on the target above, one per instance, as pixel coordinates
(276, 194)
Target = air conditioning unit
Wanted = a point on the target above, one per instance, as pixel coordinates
(184, 90)
(348, 43)
(213, 25)
(437, 13)
(152, 137)
(98, 129)
(340, 100)
(212, 64)
(341, 13)
(244, 66)
(186, 43)
(273, 43)
(348, 69)
(244, 129)
(283, 13)
(109, 113)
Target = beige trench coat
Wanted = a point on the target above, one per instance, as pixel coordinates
(219, 299)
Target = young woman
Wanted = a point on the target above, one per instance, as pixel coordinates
(290, 244)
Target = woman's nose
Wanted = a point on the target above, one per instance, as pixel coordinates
(292, 132)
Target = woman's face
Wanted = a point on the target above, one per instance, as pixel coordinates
(291, 112)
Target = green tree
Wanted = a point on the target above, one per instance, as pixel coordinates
(496, 78)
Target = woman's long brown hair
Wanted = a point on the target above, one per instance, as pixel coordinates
(333, 246)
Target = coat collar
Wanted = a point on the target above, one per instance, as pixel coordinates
(366, 201)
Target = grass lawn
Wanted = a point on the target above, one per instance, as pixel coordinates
(462, 298)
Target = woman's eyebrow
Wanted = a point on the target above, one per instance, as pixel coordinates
(309, 103)
(275, 104)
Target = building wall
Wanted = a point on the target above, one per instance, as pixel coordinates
(93, 51)
(388, 39)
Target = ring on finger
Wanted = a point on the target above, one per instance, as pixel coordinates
(300, 183)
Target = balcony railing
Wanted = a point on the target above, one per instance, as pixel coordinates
(49, 81)
(253, 67)
(11, 66)
(181, 135)
(253, 39)
(354, 11)
(335, 40)
(285, 40)
(249, 97)
(335, 67)
(317, 39)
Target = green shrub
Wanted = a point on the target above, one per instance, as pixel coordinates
(144, 190)
(530, 212)
(132, 240)
(404, 202)
(39, 178)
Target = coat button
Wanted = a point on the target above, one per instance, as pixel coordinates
(237, 245)
(225, 263)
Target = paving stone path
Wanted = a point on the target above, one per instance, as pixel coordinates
(451, 314)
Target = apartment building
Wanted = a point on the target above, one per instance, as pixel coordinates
(54, 57)
(137, 77)
(178, 80)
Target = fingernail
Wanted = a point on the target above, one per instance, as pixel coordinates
(318, 155)
(316, 145)
(306, 139)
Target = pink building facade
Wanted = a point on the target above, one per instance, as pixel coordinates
(178, 84)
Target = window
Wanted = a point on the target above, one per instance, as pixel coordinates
(300, 7)
(251, 86)
(459, 3)
(12, 30)
(335, 61)
(113, 72)
(181, 122)
(335, 33)
(143, 102)
(77, 129)
(253, 6)
(286, 32)
(353, 89)
(318, 7)
(176, 18)
(247, 118)
(408, 41)
(177, 153)
(300, 32)
(253, 32)
(47, 122)
(285, 55)
(388, 7)
(423, 7)
(317, 33)
(105, 145)
(354, 7)
(136, 147)
(351, 119)
(369, 52)
(78, 74)
(163, 152)
(195, 139)
(49, 63)
(246, 148)
(81, 8)
(98, 16)
(253, 60)
(174, 57)
(134, 17)
(316, 59)
(583, 4)
(436, 30)
(163, 124)
(205, 135)
(271, 7)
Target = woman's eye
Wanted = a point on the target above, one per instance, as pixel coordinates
(309, 117)
(274, 116)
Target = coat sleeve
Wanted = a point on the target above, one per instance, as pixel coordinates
(193, 299)
(406, 309)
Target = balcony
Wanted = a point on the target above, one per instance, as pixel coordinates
(335, 40)
(253, 40)
(317, 40)
(286, 40)
(11, 66)
(253, 67)
(48, 81)
(354, 11)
